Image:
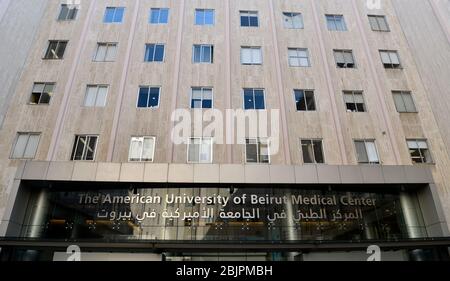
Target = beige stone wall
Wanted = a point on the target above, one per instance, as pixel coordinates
(120, 119)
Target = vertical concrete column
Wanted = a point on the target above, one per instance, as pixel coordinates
(413, 222)
(40, 210)
(292, 234)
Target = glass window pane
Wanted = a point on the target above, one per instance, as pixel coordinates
(209, 17)
(149, 52)
(135, 149)
(32, 145)
(422, 144)
(259, 99)
(372, 152)
(154, 15)
(207, 54)
(318, 153)
(300, 100)
(383, 24)
(361, 152)
(251, 153)
(339, 57)
(413, 144)
(119, 14)
(164, 16)
(409, 103)
(159, 53)
(147, 153)
(20, 146)
(197, 53)
(310, 102)
(246, 55)
(91, 94)
(109, 14)
(358, 98)
(154, 97)
(90, 149)
(45, 98)
(385, 57)
(101, 96)
(394, 58)
(38, 87)
(111, 53)
(80, 144)
(399, 103)
(249, 102)
(101, 52)
(64, 12)
(253, 21)
(308, 153)
(205, 151)
(143, 97)
(257, 55)
(194, 151)
(199, 17)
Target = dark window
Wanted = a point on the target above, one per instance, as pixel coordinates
(304, 100)
(312, 151)
(419, 151)
(254, 99)
(56, 49)
(344, 58)
(154, 52)
(148, 97)
(68, 12)
(354, 101)
(203, 54)
(249, 18)
(41, 93)
(84, 147)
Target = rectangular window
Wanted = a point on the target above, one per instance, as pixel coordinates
(257, 150)
(344, 58)
(55, 50)
(366, 152)
(148, 97)
(312, 151)
(154, 52)
(336, 23)
(203, 54)
(200, 150)
(159, 15)
(354, 101)
(142, 149)
(254, 99)
(41, 93)
(404, 101)
(68, 13)
(96, 96)
(298, 57)
(390, 59)
(293, 20)
(204, 17)
(113, 14)
(84, 147)
(249, 18)
(106, 52)
(418, 149)
(25, 146)
(201, 97)
(378, 23)
(251, 55)
(304, 100)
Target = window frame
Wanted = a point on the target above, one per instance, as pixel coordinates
(306, 104)
(335, 17)
(114, 14)
(365, 141)
(108, 45)
(76, 143)
(249, 14)
(154, 53)
(66, 18)
(353, 92)
(40, 97)
(288, 21)
(254, 104)
(148, 97)
(390, 64)
(202, 92)
(299, 58)
(311, 142)
(142, 151)
(342, 52)
(211, 139)
(48, 50)
(202, 53)
(251, 48)
(203, 22)
(159, 16)
(403, 94)
(97, 86)
(417, 141)
(258, 148)
(16, 139)
(377, 18)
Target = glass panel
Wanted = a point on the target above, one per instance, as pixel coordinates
(300, 100)
(119, 14)
(19, 148)
(257, 55)
(249, 102)
(111, 52)
(90, 149)
(308, 153)
(358, 98)
(38, 87)
(394, 58)
(422, 144)
(101, 52)
(209, 17)
(199, 17)
(194, 150)
(372, 152)
(385, 57)
(44, 99)
(64, 12)
(32, 145)
(383, 24)
(297, 21)
(154, 15)
(246, 55)
(373, 23)
(348, 58)
(304, 62)
(264, 152)
(348, 98)
(101, 96)
(399, 103)
(251, 152)
(310, 102)
(80, 143)
(259, 99)
(91, 93)
(253, 21)
(197, 53)
(361, 152)
(205, 152)
(207, 54)
(413, 144)
(149, 52)
(163, 15)
(245, 21)
(109, 15)
(154, 97)
(159, 53)
(339, 57)
(135, 149)
(143, 97)
(147, 154)
(409, 103)
(318, 153)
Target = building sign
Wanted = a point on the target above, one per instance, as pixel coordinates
(211, 213)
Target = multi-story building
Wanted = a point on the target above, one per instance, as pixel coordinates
(95, 93)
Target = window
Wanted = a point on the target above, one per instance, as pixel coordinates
(344, 58)
(201, 98)
(336, 23)
(148, 97)
(159, 15)
(154, 52)
(293, 20)
(84, 147)
(366, 152)
(304, 100)
(105, 52)
(41, 93)
(200, 150)
(354, 101)
(254, 99)
(96, 96)
(378, 23)
(251, 55)
(25, 146)
(55, 50)
(67, 13)
(142, 149)
(203, 54)
(418, 149)
(114, 14)
(390, 59)
(204, 17)
(257, 150)
(404, 101)
(249, 18)
(298, 57)
(312, 151)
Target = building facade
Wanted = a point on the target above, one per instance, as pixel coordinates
(357, 154)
